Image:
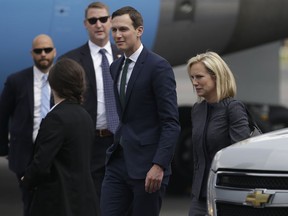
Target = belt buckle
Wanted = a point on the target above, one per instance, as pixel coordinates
(102, 133)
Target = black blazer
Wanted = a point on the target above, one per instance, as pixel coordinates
(149, 125)
(213, 131)
(16, 118)
(60, 171)
(83, 57)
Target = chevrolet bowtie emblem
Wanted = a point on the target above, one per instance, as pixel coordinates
(258, 198)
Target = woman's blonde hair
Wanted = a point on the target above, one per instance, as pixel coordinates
(215, 65)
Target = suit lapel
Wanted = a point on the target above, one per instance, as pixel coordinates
(116, 77)
(30, 89)
(115, 52)
(200, 120)
(138, 67)
(88, 65)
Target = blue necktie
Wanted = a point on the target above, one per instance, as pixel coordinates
(45, 96)
(111, 112)
(123, 82)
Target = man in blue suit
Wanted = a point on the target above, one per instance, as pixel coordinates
(20, 110)
(138, 163)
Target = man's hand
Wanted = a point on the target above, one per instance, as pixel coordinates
(154, 179)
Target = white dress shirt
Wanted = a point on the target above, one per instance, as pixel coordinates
(133, 59)
(37, 86)
(101, 122)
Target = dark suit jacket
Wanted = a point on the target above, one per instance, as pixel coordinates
(60, 170)
(16, 117)
(83, 57)
(211, 132)
(149, 125)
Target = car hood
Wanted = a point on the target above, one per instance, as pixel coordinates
(267, 152)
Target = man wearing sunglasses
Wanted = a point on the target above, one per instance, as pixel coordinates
(21, 110)
(98, 25)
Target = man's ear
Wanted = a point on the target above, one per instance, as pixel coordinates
(140, 31)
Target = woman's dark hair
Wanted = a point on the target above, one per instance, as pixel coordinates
(67, 79)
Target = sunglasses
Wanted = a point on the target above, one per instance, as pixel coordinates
(94, 20)
(40, 50)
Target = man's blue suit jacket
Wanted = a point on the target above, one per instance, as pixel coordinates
(149, 125)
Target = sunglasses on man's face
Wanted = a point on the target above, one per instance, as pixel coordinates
(93, 20)
(40, 50)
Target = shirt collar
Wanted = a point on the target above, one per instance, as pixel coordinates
(37, 73)
(136, 54)
(94, 48)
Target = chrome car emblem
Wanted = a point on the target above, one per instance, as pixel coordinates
(258, 198)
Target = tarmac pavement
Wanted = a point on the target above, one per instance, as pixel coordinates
(11, 205)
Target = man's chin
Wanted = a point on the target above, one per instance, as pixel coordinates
(100, 37)
(43, 66)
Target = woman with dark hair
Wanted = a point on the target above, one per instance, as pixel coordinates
(67, 81)
(59, 173)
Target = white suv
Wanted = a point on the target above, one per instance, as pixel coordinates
(250, 178)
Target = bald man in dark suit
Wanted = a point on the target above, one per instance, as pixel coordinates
(20, 110)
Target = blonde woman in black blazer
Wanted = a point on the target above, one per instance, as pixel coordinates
(218, 120)
(60, 171)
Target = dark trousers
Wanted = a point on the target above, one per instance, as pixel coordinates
(99, 148)
(198, 207)
(121, 194)
(26, 196)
